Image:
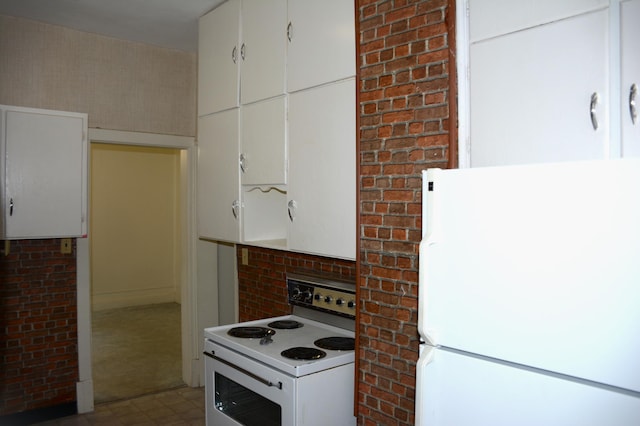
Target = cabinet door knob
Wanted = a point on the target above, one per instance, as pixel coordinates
(234, 54)
(242, 51)
(235, 208)
(633, 94)
(243, 163)
(592, 110)
(291, 208)
(289, 31)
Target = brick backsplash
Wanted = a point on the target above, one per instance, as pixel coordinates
(262, 290)
(406, 68)
(38, 321)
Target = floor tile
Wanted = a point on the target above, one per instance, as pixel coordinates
(178, 407)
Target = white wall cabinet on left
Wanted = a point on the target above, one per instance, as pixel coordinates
(43, 159)
(219, 203)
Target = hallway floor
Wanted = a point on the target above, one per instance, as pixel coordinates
(136, 350)
(137, 370)
(177, 407)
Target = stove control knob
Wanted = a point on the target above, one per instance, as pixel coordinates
(328, 299)
(306, 295)
(318, 296)
(340, 302)
(295, 293)
(351, 304)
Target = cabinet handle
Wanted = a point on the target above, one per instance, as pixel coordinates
(633, 94)
(242, 370)
(289, 31)
(242, 50)
(235, 208)
(11, 207)
(592, 110)
(234, 54)
(243, 163)
(291, 208)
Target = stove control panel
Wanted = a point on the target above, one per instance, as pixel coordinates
(336, 297)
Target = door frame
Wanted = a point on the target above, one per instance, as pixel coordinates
(462, 71)
(189, 315)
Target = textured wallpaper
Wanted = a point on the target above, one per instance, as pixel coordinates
(121, 85)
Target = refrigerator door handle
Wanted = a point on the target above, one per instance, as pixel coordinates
(425, 358)
(430, 238)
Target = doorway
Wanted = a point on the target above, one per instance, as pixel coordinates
(135, 270)
(187, 292)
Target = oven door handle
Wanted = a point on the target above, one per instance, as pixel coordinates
(243, 371)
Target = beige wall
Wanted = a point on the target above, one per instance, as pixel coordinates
(135, 225)
(121, 85)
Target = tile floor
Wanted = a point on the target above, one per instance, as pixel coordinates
(177, 407)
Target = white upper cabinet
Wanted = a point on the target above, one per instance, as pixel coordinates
(321, 42)
(263, 136)
(531, 91)
(548, 81)
(322, 167)
(241, 54)
(263, 49)
(293, 76)
(630, 78)
(43, 154)
(218, 59)
(219, 203)
(491, 18)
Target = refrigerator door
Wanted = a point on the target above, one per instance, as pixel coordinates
(537, 265)
(465, 391)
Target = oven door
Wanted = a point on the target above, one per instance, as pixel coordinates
(241, 391)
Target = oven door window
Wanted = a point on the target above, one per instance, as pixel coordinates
(244, 405)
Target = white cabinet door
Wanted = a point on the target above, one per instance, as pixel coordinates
(322, 42)
(263, 49)
(219, 206)
(263, 157)
(491, 18)
(322, 159)
(530, 93)
(218, 59)
(630, 77)
(45, 172)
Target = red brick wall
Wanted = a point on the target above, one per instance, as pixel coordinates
(262, 287)
(405, 75)
(38, 322)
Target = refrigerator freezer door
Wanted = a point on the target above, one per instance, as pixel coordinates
(537, 265)
(465, 391)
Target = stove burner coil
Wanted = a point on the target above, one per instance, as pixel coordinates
(285, 324)
(250, 332)
(302, 353)
(336, 343)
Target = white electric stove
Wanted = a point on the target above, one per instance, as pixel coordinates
(290, 370)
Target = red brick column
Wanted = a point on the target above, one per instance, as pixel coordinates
(405, 102)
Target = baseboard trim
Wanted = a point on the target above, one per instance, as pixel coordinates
(39, 415)
(125, 299)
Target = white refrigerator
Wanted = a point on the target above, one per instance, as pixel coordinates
(529, 296)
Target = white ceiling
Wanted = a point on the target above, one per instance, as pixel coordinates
(167, 23)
